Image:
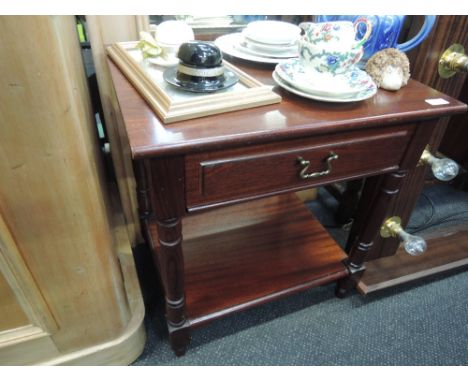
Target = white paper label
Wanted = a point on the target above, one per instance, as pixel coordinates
(437, 101)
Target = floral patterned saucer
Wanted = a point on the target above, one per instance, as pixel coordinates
(360, 96)
(348, 84)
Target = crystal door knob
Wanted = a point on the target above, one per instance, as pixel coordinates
(414, 245)
(443, 169)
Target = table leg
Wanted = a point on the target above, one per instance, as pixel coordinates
(161, 193)
(389, 187)
(171, 265)
(348, 202)
(378, 195)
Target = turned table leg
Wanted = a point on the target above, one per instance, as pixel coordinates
(388, 189)
(377, 196)
(161, 190)
(171, 265)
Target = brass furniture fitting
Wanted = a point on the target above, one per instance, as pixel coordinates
(414, 245)
(444, 169)
(305, 166)
(452, 61)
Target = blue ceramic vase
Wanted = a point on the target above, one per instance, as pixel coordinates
(385, 32)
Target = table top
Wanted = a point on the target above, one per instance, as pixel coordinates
(294, 117)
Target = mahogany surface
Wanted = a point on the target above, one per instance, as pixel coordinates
(424, 62)
(292, 118)
(371, 193)
(247, 254)
(445, 251)
(229, 175)
(254, 252)
(165, 178)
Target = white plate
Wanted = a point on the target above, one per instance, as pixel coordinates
(272, 32)
(358, 97)
(228, 43)
(343, 85)
(286, 54)
(270, 48)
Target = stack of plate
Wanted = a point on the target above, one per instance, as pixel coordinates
(353, 85)
(263, 41)
(209, 21)
(269, 38)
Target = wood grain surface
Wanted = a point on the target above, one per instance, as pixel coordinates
(445, 251)
(104, 30)
(294, 117)
(251, 253)
(56, 239)
(218, 176)
(11, 312)
(424, 63)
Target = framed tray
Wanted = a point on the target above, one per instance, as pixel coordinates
(172, 104)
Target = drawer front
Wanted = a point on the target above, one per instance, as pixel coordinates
(218, 177)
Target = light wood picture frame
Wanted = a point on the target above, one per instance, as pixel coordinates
(172, 104)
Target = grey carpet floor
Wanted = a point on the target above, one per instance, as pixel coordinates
(421, 323)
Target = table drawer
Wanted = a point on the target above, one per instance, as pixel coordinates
(219, 177)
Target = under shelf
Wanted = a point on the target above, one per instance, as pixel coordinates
(250, 253)
(445, 251)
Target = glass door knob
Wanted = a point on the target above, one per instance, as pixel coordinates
(414, 245)
(444, 169)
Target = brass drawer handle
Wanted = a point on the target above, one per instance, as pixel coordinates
(305, 166)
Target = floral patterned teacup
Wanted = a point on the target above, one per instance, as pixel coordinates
(331, 47)
(340, 34)
(328, 61)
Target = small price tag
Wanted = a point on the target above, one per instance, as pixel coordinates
(437, 101)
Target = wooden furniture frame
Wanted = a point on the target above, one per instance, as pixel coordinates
(69, 292)
(447, 248)
(214, 261)
(102, 31)
(170, 109)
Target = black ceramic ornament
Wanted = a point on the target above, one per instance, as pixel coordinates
(200, 54)
(200, 69)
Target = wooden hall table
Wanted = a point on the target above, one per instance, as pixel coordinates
(269, 245)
